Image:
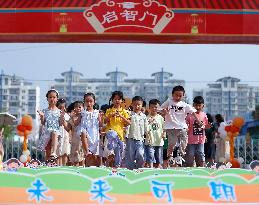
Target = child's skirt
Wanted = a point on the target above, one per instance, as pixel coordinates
(45, 137)
(77, 152)
(63, 143)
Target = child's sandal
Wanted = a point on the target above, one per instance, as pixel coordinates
(53, 156)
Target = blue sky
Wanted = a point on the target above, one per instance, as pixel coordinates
(196, 64)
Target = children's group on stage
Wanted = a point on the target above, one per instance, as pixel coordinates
(173, 133)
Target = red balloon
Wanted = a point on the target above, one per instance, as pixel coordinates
(234, 129)
(28, 127)
(235, 163)
(227, 128)
(21, 128)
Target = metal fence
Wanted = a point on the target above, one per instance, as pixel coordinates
(248, 150)
(13, 149)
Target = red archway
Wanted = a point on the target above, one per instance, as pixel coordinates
(149, 21)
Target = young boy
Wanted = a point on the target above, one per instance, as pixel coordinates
(254, 165)
(154, 143)
(138, 128)
(196, 135)
(175, 111)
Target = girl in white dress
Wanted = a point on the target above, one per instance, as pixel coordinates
(77, 154)
(63, 150)
(51, 118)
(90, 123)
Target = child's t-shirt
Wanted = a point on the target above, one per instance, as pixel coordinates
(178, 111)
(116, 123)
(196, 134)
(138, 126)
(156, 128)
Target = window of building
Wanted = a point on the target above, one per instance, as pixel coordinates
(232, 83)
(225, 84)
(32, 98)
(14, 104)
(6, 81)
(14, 91)
(32, 92)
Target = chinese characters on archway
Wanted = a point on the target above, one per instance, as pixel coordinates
(127, 16)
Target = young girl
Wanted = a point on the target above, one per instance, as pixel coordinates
(51, 119)
(63, 140)
(1, 145)
(89, 128)
(116, 118)
(77, 152)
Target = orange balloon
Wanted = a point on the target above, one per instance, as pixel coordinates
(27, 132)
(238, 122)
(27, 120)
(20, 133)
(21, 128)
(235, 163)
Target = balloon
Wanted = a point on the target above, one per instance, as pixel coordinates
(20, 133)
(28, 127)
(27, 132)
(238, 122)
(35, 128)
(241, 160)
(27, 120)
(21, 128)
(235, 163)
(26, 152)
(23, 158)
(28, 158)
(227, 128)
(234, 129)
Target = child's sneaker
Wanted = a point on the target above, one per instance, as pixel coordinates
(171, 161)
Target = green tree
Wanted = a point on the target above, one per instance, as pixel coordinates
(8, 131)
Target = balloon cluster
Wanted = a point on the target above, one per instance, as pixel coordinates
(232, 132)
(235, 126)
(23, 130)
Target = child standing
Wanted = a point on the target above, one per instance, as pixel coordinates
(51, 119)
(1, 145)
(136, 133)
(89, 128)
(154, 143)
(77, 155)
(63, 140)
(116, 118)
(196, 135)
(175, 111)
(222, 146)
(210, 146)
